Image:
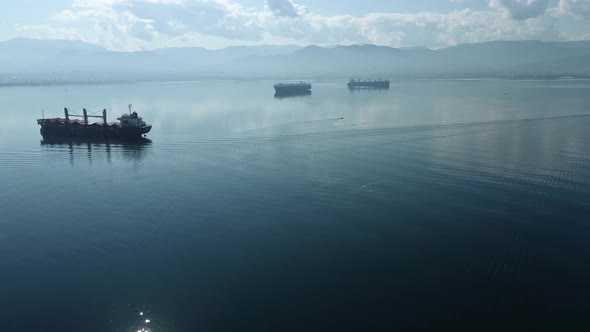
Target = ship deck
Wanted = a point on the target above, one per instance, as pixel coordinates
(62, 121)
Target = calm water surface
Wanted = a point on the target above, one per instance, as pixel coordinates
(433, 205)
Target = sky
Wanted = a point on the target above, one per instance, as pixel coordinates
(129, 25)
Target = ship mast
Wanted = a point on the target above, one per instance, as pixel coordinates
(85, 115)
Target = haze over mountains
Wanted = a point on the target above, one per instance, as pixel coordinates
(27, 61)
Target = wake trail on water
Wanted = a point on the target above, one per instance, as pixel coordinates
(289, 124)
(345, 130)
(466, 124)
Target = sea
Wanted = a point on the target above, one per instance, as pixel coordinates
(436, 205)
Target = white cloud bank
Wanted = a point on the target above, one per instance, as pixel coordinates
(138, 24)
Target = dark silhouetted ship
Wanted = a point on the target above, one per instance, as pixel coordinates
(130, 126)
(288, 89)
(370, 84)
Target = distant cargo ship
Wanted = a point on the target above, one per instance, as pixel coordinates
(285, 89)
(373, 84)
(130, 126)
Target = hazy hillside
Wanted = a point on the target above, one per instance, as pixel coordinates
(29, 61)
(25, 55)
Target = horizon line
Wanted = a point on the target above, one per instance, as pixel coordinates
(287, 45)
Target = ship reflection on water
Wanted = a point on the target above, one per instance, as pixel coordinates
(95, 149)
(357, 89)
(284, 95)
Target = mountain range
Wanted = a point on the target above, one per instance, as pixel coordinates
(31, 60)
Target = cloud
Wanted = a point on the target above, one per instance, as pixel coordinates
(286, 8)
(393, 29)
(96, 3)
(43, 31)
(66, 16)
(214, 17)
(138, 24)
(577, 8)
(521, 9)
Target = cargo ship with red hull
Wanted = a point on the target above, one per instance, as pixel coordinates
(129, 126)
